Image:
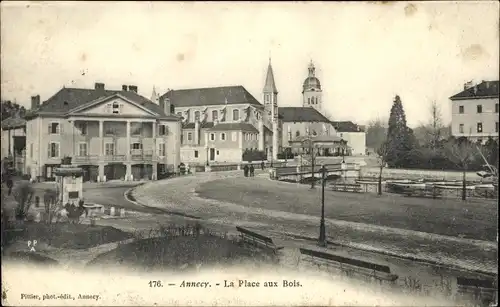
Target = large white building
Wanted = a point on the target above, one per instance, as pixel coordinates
(475, 111)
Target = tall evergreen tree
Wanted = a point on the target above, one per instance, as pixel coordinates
(399, 137)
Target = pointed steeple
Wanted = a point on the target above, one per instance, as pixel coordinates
(154, 96)
(270, 86)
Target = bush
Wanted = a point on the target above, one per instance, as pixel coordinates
(286, 155)
(254, 155)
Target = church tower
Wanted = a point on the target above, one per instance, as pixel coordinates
(311, 90)
(270, 97)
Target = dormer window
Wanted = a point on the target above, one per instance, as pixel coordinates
(115, 108)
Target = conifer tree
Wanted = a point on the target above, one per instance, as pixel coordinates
(399, 137)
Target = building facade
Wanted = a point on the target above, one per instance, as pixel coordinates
(475, 111)
(14, 143)
(354, 135)
(220, 123)
(111, 134)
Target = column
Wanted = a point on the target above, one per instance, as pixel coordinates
(101, 175)
(128, 157)
(154, 162)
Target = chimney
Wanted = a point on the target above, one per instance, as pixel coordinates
(124, 88)
(166, 106)
(35, 102)
(99, 86)
(475, 89)
(487, 84)
(132, 88)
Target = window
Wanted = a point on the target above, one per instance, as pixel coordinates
(217, 152)
(31, 148)
(136, 128)
(215, 115)
(109, 149)
(82, 127)
(289, 135)
(461, 128)
(461, 109)
(236, 115)
(196, 153)
(314, 133)
(82, 149)
(161, 149)
(190, 136)
(53, 150)
(179, 114)
(162, 130)
(234, 136)
(479, 127)
(297, 133)
(54, 128)
(479, 108)
(136, 146)
(197, 115)
(212, 137)
(308, 100)
(116, 108)
(108, 130)
(496, 107)
(223, 136)
(496, 128)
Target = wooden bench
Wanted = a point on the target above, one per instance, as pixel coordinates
(257, 239)
(477, 289)
(347, 187)
(373, 270)
(431, 192)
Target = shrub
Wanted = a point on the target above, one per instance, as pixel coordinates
(23, 195)
(254, 155)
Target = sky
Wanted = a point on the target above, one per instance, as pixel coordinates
(365, 53)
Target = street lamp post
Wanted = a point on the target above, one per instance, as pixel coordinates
(322, 235)
(311, 150)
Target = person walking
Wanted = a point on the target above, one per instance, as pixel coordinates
(262, 165)
(245, 170)
(252, 170)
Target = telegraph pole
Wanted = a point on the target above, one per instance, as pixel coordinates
(322, 230)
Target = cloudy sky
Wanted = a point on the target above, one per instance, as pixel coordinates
(364, 53)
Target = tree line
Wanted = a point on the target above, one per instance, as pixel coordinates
(429, 146)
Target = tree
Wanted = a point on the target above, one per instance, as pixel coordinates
(376, 133)
(23, 196)
(462, 152)
(50, 200)
(9, 109)
(382, 160)
(400, 138)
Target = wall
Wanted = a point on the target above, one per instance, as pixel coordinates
(470, 117)
(230, 149)
(5, 140)
(188, 154)
(388, 173)
(301, 127)
(355, 140)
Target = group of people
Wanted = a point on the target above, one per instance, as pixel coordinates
(249, 171)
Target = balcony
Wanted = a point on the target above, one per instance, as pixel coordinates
(140, 155)
(115, 158)
(86, 159)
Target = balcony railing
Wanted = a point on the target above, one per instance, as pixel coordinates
(139, 155)
(86, 159)
(115, 158)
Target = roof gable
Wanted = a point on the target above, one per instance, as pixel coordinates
(485, 89)
(210, 96)
(71, 99)
(105, 105)
(301, 114)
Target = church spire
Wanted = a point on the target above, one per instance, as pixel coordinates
(270, 86)
(154, 96)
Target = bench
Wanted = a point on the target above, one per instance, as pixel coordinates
(483, 289)
(257, 239)
(431, 192)
(346, 187)
(373, 270)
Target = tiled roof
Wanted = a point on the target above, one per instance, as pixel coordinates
(68, 99)
(346, 126)
(482, 90)
(234, 126)
(301, 114)
(318, 138)
(202, 125)
(210, 96)
(13, 123)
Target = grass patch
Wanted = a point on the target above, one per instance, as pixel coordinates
(182, 248)
(472, 219)
(30, 257)
(65, 235)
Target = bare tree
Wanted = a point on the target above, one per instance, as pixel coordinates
(462, 152)
(376, 133)
(436, 124)
(382, 161)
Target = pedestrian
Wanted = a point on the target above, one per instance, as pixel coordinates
(252, 170)
(245, 170)
(10, 184)
(262, 165)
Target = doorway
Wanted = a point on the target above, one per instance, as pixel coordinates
(212, 154)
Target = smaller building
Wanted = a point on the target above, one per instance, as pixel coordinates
(353, 134)
(475, 111)
(14, 143)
